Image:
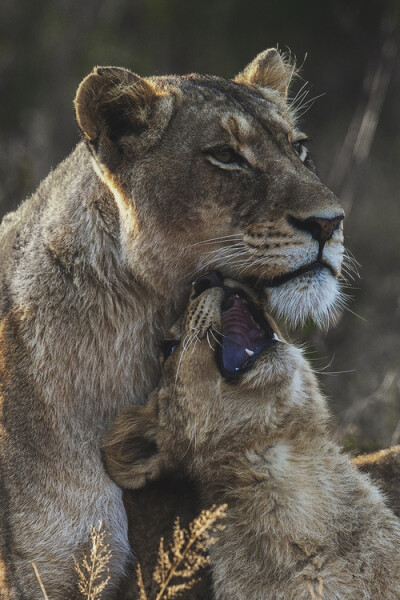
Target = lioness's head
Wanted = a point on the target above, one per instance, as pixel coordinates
(230, 384)
(214, 173)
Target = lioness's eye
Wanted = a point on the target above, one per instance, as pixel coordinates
(226, 156)
(301, 149)
(169, 347)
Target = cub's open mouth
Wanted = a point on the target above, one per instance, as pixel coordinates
(245, 334)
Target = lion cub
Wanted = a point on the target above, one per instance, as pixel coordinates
(239, 409)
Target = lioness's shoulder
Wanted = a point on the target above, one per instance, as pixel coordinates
(31, 225)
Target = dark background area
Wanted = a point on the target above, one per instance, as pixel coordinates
(351, 50)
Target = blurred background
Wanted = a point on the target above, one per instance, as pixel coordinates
(351, 66)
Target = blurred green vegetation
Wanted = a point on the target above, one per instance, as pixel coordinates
(46, 48)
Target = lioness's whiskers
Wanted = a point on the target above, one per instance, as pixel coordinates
(221, 257)
(248, 265)
(350, 256)
(231, 258)
(217, 257)
(350, 265)
(222, 238)
(343, 304)
(348, 273)
(232, 246)
(240, 264)
(228, 258)
(222, 252)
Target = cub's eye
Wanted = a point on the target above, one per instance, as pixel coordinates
(169, 348)
(301, 149)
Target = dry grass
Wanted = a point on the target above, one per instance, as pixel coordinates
(45, 596)
(176, 567)
(93, 573)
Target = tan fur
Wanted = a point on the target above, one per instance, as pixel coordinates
(384, 468)
(96, 266)
(268, 69)
(298, 512)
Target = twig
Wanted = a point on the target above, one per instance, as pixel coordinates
(45, 596)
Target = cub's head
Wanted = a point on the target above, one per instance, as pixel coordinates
(209, 173)
(229, 385)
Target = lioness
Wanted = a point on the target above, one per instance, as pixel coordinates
(175, 175)
(240, 410)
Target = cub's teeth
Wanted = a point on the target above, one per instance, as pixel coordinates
(276, 337)
(249, 352)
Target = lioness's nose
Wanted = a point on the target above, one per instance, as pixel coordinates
(321, 229)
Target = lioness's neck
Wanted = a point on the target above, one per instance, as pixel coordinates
(81, 306)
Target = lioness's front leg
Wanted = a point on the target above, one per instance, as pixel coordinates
(53, 487)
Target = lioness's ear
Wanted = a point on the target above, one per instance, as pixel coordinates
(130, 449)
(111, 104)
(268, 69)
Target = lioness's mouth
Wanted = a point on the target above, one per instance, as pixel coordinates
(315, 266)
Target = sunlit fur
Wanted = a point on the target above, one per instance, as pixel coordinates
(384, 467)
(301, 520)
(320, 299)
(317, 295)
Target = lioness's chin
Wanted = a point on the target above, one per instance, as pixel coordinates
(316, 297)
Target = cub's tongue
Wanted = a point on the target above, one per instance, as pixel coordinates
(243, 338)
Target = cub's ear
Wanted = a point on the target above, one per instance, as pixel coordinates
(130, 450)
(113, 104)
(268, 69)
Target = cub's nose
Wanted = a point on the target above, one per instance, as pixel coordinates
(321, 229)
(212, 279)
